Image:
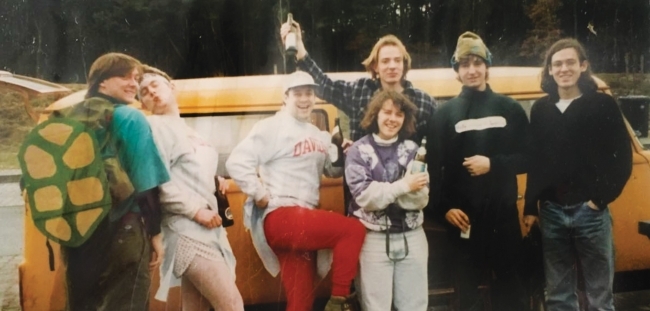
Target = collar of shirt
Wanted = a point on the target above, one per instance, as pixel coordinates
(109, 98)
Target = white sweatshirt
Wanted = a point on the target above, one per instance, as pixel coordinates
(290, 157)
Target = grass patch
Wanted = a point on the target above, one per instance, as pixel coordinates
(630, 84)
(8, 158)
(15, 123)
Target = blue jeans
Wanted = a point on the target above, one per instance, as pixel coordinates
(571, 235)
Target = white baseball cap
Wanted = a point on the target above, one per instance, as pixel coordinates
(298, 78)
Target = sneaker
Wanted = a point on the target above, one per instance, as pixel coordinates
(337, 303)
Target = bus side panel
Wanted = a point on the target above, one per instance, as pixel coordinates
(633, 205)
(40, 288)
(255, 284)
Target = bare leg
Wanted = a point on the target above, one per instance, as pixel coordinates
(213, 281)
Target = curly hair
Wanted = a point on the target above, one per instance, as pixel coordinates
(369, 122)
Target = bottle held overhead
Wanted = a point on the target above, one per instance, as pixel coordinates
(290, 49)
(290, 40)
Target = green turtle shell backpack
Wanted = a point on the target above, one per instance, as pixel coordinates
(71, 172)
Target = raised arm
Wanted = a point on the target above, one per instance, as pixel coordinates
(335, 92)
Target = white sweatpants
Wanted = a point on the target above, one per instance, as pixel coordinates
(403, 283)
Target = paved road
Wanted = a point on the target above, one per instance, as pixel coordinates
(11, 244)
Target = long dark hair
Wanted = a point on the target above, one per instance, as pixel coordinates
(586, 83)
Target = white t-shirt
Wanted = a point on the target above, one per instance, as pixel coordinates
(563, 104)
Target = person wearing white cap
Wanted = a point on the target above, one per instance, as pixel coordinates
(478, 148)
(288, 231)
(198, 257)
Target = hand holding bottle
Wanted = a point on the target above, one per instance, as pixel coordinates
(337, 154)
(293, 27)
(416, 181)
(207, 218)
(222, 185)
(223, 206)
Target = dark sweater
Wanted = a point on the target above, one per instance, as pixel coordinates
(451, 184)
(580, 155)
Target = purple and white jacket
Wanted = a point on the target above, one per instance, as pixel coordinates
(374, 171)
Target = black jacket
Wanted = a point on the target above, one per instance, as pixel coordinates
(503, 141)
(580, 155)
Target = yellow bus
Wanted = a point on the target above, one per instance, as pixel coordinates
(225, 109)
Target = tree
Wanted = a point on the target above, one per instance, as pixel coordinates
(545, 28)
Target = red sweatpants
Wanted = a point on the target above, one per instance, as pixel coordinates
(294, 233)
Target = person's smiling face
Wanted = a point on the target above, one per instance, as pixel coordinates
(123, 88)
(566, 68)
(389, 120)
(472, 72)
(390, 65)
(300, 102)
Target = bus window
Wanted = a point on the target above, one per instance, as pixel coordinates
(319, 119)
(224, 132)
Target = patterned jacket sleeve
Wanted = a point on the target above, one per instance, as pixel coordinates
(426, 108)
(414, 200)
(335, 92)
(369, 194)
